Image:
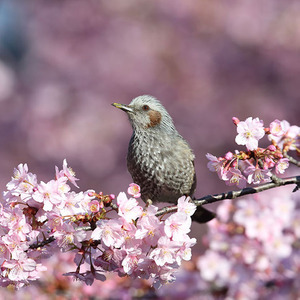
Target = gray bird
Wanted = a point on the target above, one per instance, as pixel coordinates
(159, 160)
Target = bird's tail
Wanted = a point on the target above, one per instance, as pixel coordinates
(202, 215)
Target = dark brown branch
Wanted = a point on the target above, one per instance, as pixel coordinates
(43, 243)
(235, 194)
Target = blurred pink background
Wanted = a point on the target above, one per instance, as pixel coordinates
(62, 64)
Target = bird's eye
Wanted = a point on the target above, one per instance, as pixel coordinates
(146, 107)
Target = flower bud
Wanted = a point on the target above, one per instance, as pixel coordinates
(229, 155)
(271, 148)
(235, 120)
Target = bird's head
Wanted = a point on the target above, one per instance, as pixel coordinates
(147, 113)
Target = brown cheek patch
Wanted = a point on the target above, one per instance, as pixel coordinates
(154, 117)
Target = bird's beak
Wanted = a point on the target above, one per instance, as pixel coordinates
(124, 107)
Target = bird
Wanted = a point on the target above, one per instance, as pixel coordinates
(159, 159)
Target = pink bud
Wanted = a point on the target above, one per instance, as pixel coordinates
(229, 155)
(112, 196)
(271, 148)
(268, 163)
(235, 120)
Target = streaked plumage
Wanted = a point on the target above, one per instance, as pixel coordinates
(159, 159)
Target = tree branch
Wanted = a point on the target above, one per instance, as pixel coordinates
(43, 243)
(292, 159)
(235, 194)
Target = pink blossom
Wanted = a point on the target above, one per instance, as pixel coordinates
(68, 237)
(262, 263)
(149, 229)
(213, 266)
(20, 227)
(78, 203)
(186, 206)
(283, 208)
(278, 128)
(262, 227)
(111, 259)
(177, 226)
(20, 174)
(224, 210)
(257, 175)
(245, 210)
(151, 210)
(94, 206)
(129, 209)
(109, 231)
(23, 182)
(185, 251)
(4, 251)
(15, 245)
(235, 177)
(48, 194)
(279, 246)
(131, 242)
(249, 132)
(281, 165)
(67, 173)
(216, 165)
(281, 131)
(296, 223)
(75, 203)
(12, 217)
(132, 260)
(229, 156)
(55, 221)
(293, 136)
(165, 275)
(19, 269)
(134, 190)
(165, 253)
(139, 248)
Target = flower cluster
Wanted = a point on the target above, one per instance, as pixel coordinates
(253, 248)
(39, 218)
(139, 244)
(255, 165)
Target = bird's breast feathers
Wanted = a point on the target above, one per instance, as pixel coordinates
(164, 161)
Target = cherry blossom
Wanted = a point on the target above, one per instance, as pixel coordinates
(134, 190)
(128, 208)
(249, 133)
(235, 177)
(177, 226)
(185, 205)
(250, 237)
(255, 165)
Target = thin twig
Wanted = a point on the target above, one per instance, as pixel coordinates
(235, 194)
(43, 243)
